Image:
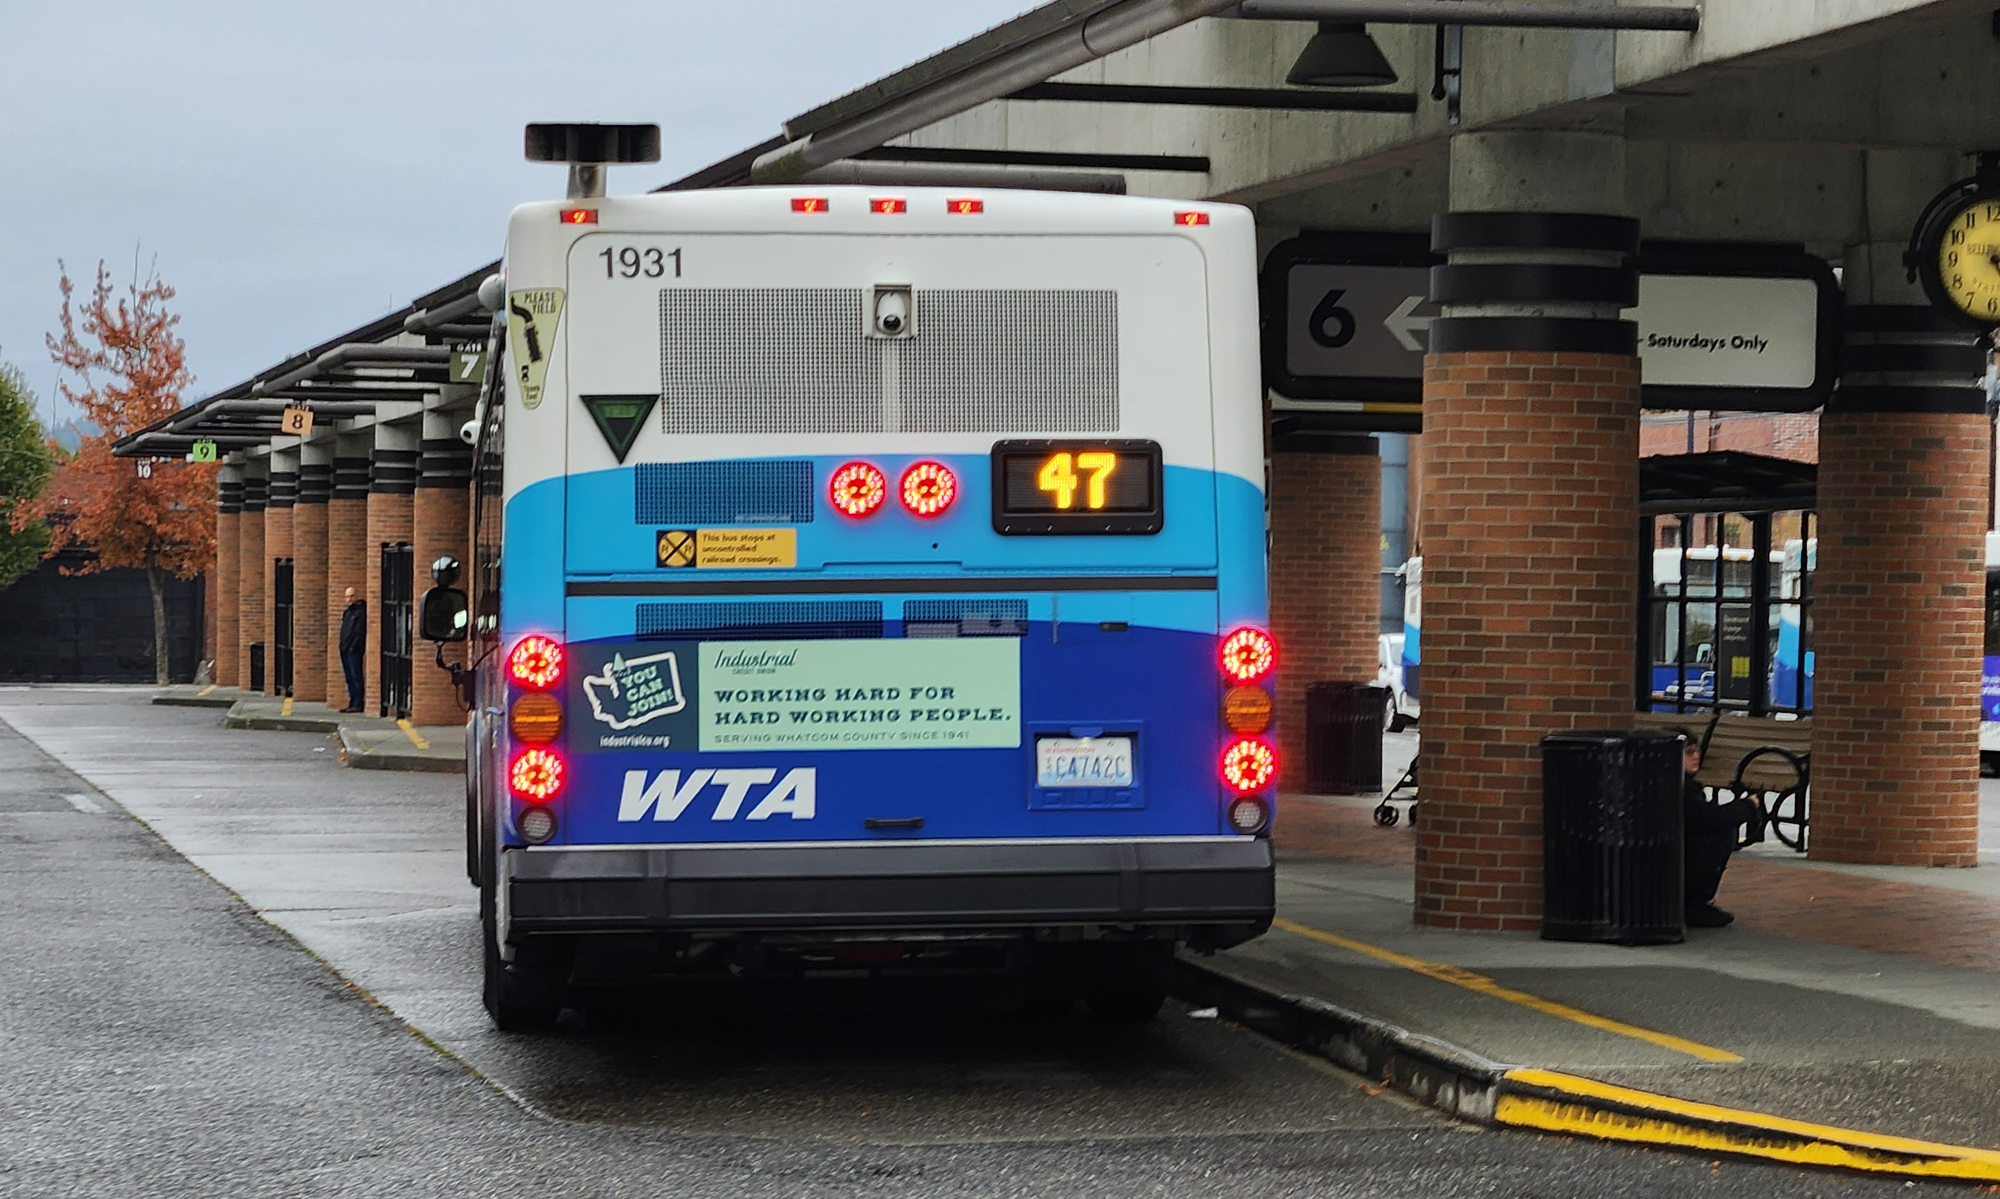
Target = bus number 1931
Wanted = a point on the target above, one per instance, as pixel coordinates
(632, 262)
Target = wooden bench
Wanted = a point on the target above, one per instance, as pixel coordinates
(1751, 757)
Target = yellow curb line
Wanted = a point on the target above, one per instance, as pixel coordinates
(287, 709)
(1486, 986)
(410, 731)
(1683, 1124)
(206, 690)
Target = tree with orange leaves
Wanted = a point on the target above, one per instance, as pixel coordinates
(128, 369)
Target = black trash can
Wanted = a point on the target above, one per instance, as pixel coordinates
(256, 666)
(1611, 837)
(1344, 738)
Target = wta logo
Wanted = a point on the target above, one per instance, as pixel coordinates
(667, 796)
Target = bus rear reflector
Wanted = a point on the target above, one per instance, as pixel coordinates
(537, 774)
(857, 489)
(536, 718)
(1248, 655)
(536, 663)
(1249, 766)
(929, 488)
(1246, 709)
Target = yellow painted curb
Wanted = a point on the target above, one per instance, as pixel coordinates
(1577, 1106)
(410, 731)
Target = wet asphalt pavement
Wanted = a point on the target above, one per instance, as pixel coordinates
(158, 1036)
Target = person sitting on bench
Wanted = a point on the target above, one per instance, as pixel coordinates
(1710, 837)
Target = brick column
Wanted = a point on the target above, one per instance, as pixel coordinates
(391, 484)
(250, 603)
(228, 572)
(1326, 532)
(346, 560)
(309, 575)
(283, 494)
(1899, 591)
(441, 517)
(1530, 504)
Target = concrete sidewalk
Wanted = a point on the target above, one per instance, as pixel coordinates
(1859, 998)
(366, 742)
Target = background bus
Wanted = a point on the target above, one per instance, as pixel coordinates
(871, 579)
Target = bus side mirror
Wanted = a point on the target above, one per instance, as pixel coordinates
(441, 616)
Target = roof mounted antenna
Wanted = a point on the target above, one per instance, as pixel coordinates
(588, 148)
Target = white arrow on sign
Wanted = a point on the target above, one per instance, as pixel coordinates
(1404, 326)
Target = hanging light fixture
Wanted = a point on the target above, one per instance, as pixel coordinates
(1341, 54)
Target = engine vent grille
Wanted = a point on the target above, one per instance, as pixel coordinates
(723, 493)
(761, 620)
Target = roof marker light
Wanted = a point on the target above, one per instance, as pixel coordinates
(857, 489)
(888, 204)
(1191, 218)
(579, 216)
(965, 207)
(535, 662)
(929, 488)
(809, 204)
(1248, 655)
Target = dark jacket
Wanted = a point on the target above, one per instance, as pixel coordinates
(354, 628)
(1701, 817)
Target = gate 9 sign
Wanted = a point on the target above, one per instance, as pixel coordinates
(1077, 487)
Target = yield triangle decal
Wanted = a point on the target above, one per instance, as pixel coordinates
(532, 317)
(620, 418)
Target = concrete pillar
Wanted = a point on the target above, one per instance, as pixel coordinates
(309, 573)
(1530, 503)
(1326, 530)
(283, 495)
(440, 523)
(1898, 612)
(228, 572)
(346, 550)
(250, 573)
(392, 480)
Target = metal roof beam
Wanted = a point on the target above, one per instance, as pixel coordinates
(1525, 14)
(1196, 164)
(1297, 99)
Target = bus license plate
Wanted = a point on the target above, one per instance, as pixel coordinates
(1083, 762)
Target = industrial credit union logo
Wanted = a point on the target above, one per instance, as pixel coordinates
(632, 691)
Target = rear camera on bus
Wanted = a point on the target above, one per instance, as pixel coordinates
(857, 489)
(1248, 655)
(929, 488)
(536, 663)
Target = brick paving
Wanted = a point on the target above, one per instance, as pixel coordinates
(1779, 898)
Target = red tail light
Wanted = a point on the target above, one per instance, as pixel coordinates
(929, 488)
(1248, 766)
(536, 662)
(857, 489)
(1248, 655)
(537, 774)
(809, 204)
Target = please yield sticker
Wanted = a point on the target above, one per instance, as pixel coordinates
(532, 317)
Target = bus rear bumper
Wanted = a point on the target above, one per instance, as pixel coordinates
(1217, 891)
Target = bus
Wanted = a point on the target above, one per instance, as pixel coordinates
(867, 581)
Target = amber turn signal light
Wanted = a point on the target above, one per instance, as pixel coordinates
(537, 719)
(1244, 710)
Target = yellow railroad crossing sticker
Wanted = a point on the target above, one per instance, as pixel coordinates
(741, 548)
(675, 547)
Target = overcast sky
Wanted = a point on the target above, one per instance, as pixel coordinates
(296, 170)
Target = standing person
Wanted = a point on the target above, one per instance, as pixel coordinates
(1710, 837)
(353, 641)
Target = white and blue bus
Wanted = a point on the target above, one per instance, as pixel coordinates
(869, 579)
